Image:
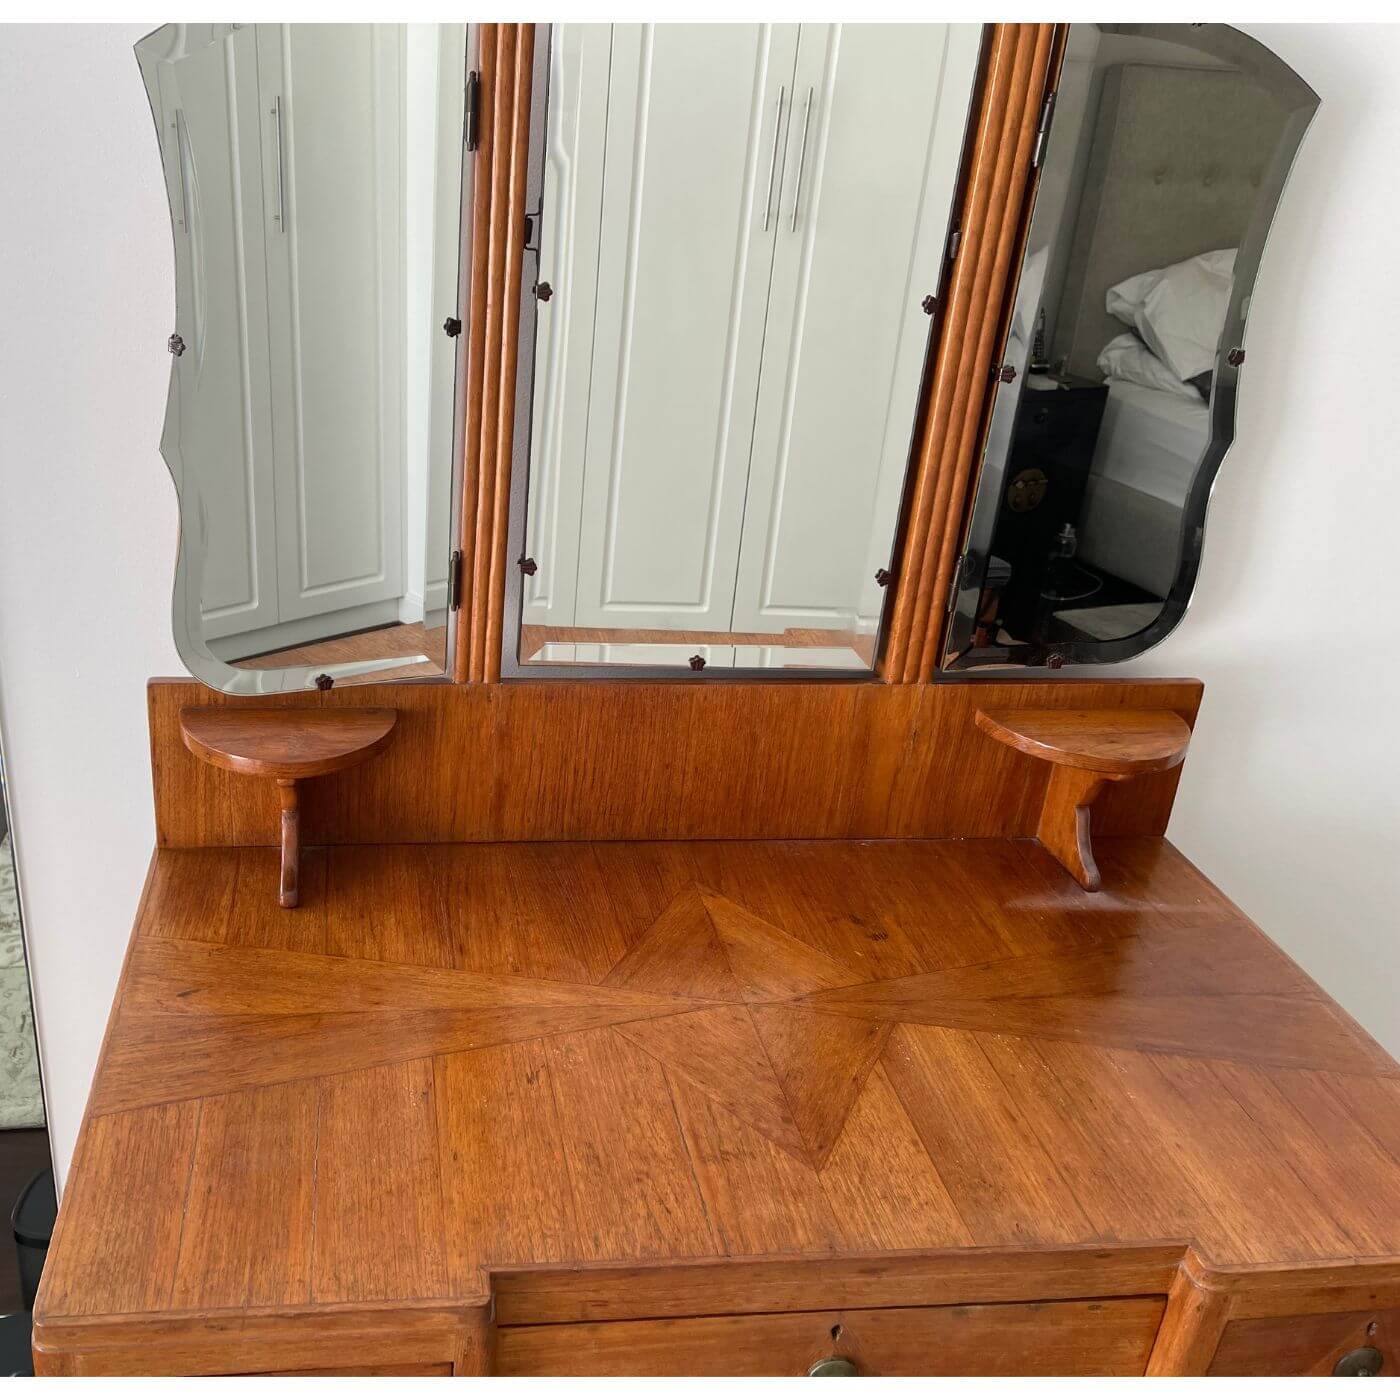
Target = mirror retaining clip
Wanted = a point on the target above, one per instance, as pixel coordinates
(528, 566)
(697, 662)
(543, 291)
(1004, 374)
(883, 577)
(453, 326)
(176, 345)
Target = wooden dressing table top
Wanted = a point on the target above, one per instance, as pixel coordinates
(452, 1060)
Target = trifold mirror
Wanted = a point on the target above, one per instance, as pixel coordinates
(736, 237)
(314, 174)
(1169, 151)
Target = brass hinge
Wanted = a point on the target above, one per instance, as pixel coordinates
(454, 581)
(471, 119)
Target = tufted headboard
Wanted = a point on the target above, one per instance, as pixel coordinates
(1175, 167)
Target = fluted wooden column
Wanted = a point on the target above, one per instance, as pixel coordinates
(505, 63)
(1020, 61)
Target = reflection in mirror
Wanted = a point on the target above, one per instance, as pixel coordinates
(737, 227)
(1167, 158)
(314, 174)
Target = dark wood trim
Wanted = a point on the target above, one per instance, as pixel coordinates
(631, 760)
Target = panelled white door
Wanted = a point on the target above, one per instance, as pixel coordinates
(694, 116)
(741, 223)
(580, 59)
(221, 414)
(868, 185)
(289, 263)
(331, 101)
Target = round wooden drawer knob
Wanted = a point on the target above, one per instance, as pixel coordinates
(1364, 1361)
(834, 1366)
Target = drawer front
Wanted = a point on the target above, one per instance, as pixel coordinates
(1309, 1345)
(1096, 1337)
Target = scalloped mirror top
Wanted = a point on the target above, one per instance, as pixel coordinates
(314, 174)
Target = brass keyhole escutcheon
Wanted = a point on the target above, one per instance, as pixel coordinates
(834, 1366)
(1027, 490)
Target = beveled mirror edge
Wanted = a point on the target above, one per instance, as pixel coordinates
(1301, 103)
(187, 579)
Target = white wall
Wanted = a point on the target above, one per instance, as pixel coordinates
(87, 514)
(1289, 801)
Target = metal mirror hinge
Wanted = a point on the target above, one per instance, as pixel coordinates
(471, 117)
(954, 241)
(1042, 130)
(454, 581)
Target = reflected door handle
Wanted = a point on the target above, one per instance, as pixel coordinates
(773, 159)
(801, 159)
(280, 216)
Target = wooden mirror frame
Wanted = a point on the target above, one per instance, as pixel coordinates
(1020, 64)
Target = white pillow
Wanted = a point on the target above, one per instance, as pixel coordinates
(1179, 311)
(1126, 357)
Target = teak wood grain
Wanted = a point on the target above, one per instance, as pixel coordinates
(1083, 1338)
(287, 746)
(300, 743)
(1088, 749)
(467, 1089)
(1123, 742)
(661, 761)
(505, 64)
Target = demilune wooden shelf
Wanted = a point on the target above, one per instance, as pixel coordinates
(286, 746)
(1088, 749)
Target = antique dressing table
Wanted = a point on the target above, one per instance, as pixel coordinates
(680, 991)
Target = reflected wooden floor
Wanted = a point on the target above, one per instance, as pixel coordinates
(534, 637)
(398, 639)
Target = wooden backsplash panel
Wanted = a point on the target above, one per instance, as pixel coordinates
(633, 760)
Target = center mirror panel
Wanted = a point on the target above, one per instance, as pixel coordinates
(737, 227)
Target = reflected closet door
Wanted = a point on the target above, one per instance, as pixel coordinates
(576, 132)
(220, 421)
(332, 166)
(867, 194)
(696, 116)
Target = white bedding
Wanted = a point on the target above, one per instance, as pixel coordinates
(1148, 450)
(1151, 440)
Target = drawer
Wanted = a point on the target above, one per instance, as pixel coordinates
(1085, 1337)
(1309, 1345)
